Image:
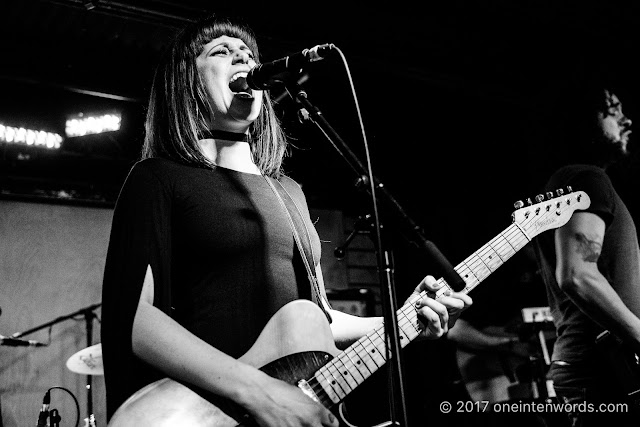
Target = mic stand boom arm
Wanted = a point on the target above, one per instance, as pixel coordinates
(411, 230)
(82, 311)
(385, 270)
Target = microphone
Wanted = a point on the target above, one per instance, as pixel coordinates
(15, 342)
(44, 412)
(269, 74)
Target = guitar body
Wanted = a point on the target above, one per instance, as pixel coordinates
(294, 344)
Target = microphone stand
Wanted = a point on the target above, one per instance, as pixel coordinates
(385, 268)
(89, 315)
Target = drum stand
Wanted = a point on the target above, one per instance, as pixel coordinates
(89, 315)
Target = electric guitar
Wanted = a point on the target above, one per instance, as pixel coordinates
(296, 345)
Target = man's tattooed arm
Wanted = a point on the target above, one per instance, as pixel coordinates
(588, 249)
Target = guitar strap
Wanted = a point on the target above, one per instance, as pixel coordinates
(305, 249)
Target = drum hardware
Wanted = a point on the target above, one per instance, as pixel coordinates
(540, 318)
(87, 361)
(91, 356)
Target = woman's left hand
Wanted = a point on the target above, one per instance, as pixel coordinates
(438, 316)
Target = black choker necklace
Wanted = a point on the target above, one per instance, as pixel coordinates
(221, 134)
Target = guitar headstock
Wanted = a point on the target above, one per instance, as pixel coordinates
(551, 210)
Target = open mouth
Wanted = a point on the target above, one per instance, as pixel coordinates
(239, 87)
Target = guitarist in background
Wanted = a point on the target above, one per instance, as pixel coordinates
(202, 253)
(591, 268)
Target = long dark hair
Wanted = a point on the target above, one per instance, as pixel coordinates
(178, 104)
(572, 123)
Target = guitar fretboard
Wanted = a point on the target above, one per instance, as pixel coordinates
(359, 361)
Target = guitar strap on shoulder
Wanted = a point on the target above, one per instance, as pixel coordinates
(306, 251)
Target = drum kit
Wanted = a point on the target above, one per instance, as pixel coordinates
(520, 372)
(87, 361)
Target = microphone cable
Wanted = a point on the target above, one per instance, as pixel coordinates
(75, 400)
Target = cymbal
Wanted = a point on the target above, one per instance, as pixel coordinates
(87, 361)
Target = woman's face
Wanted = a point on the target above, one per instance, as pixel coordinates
(223, 65)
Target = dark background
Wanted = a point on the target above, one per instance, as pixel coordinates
(465, 104)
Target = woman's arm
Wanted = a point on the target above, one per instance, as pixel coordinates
(347, 328)
(162, 342)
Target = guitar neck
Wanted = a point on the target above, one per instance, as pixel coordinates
(350, 368)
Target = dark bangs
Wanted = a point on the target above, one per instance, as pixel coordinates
(210, 28)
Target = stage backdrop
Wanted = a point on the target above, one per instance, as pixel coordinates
(51, 264)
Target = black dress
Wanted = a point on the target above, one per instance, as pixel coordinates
(222, 254)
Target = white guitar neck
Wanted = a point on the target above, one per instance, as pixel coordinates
(360, 360)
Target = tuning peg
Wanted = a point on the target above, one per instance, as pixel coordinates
(539, 198)
(569, 189)
(549, 195)
(559, 192)
(529, 202)
(518, 205)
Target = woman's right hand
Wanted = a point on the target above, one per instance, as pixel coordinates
(278, 404)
